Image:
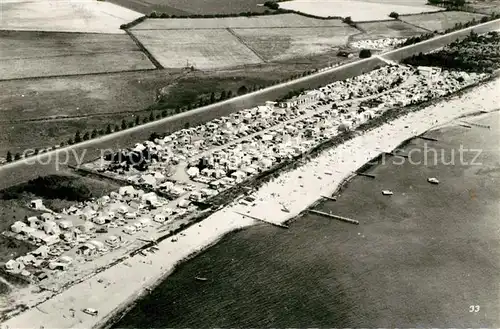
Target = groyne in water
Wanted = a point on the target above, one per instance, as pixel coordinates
(341, 218)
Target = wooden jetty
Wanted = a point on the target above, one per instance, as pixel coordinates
(464, 125)
(344, 219)
(364, 174)
(428, 138)
(262, 220)
(397, 155)
(477, 125)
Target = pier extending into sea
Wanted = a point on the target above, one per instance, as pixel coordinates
(344, 219)
(262, 220)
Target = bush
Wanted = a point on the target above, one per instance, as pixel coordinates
(222, 95)
(394, 15)
(242, 90)
(348, 20)
(365, 53)
(154, 136)
(77, 139)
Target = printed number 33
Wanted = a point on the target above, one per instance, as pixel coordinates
(474, 308)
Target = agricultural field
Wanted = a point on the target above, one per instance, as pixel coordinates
(272, 21)
(89, 16)
(203, 49)
(81, 96)
(359, 11)
(37, 54)
(184, 7)
(286, 43)
(440, 21)
(147, 7)
(18, 137)
(387, 29)
(179, 43)
(75, 64)
(487, 7)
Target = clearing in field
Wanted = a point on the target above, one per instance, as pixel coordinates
(203, 49)
(36, 54)
(359, 11)
(286, 43)
(89, 16)
(273, 21)
(442, 20)
(387, 29)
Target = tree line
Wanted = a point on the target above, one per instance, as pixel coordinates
(266, 12)
(447, 3)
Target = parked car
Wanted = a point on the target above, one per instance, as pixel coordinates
(129, 229)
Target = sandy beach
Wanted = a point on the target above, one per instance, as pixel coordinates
(112, 290)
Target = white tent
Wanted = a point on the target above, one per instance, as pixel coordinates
(193, 172)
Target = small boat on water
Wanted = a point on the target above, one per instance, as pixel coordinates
(198, 278)
(90, 311)
(387, 192)
(433, 180)
(284, 208)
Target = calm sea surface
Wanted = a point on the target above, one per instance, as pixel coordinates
(420, 257)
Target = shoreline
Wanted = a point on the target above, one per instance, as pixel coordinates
(347, 157)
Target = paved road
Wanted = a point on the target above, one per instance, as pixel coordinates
(51, 162)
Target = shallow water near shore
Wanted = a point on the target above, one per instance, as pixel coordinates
(420, 257)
